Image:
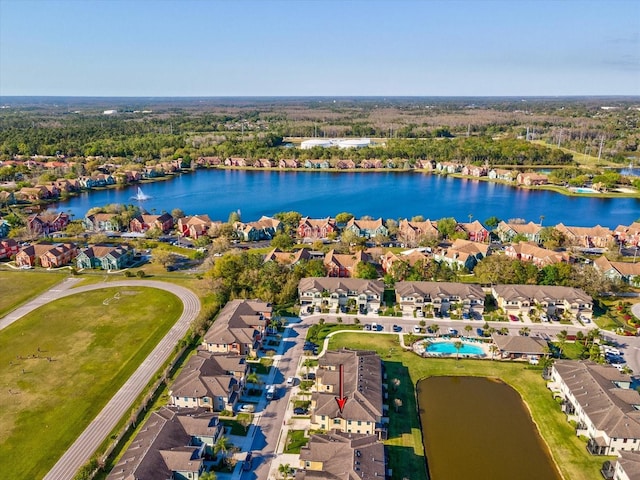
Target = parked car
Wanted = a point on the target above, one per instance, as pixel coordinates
(246, 408)
(513, 318)
(367, 326)
(417, 329)
(290, 381)
(397, 328)
(300, 411)
(544, 317)
(310, 376)
(480, 332)
(452, 331)
(246, 465)
(465, 315)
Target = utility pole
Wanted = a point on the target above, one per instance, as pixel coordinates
(600, 150)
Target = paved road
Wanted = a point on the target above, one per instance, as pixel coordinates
(87, 443)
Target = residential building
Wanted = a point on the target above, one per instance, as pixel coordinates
(316, 228)
(628, 235)
(475, 230)
(343, 264)
(338, 455)
(172, 444)
(239, 328)
(530, 179)
(600, 400)
(106, 257)
(556, 300)
(334, 293)
(413, 233)
(212, 381)
(367, 228)
(345, 165)
(587, 237)
(618, 271)
(5, 227)
(627, 467)
(46, 255)
(410, 257)
(8, 248)
(289, 163)
(47, 222)
(502, 174)
(362, 385)
(462, 254)
(531, 252)
(474, 171)
(142, 223)
(7, 198)
(288, 258)
(516, 347)
(371, 163)
(439, 297)
(507, 231)
(196, 225)
(101, 222)
(264, 229)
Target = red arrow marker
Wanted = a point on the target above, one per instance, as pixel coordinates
(342, 400)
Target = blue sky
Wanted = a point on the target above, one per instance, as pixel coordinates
(307, 47)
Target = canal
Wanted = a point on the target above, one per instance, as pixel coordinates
(479, 428)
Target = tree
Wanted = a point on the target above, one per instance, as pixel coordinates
(176, 214)
(447, 226)
(562, 340)
(291, 220)
(210, 475)
(74, 228)
(434, 328)
(343, 218)
(552, 238)
(365, 270)
(282, 241)
(524, 331)
(468, 329)
(222, 446)
(285, 470)
(163, 257)
(234, 217)
(493, 348)
(397, 403)
(396, 383)
(458, 345)
(253, 378)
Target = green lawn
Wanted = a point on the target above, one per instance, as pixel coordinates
(295, 441)
(94, 348)
(317, 333)
(18, 287)
(406, 454)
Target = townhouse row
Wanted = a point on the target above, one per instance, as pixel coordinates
(439, 298)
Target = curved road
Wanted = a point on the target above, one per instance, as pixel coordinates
(87, 443)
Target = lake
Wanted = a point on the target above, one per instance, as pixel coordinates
(217, 192)
(477, 428)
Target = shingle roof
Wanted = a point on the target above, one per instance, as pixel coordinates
(320, 284)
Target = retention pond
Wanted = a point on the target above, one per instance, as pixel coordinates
(480, 428)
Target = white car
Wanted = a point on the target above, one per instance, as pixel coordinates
(544, 317)
(290, 381)
(417, 329)
(246, 408)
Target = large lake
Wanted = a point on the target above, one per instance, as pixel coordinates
(479, 429)
(218, 192)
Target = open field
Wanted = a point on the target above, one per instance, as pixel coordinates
(405, 438)
(20, 286)
(62, 363)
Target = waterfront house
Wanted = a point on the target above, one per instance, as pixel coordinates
(8, 248)
(316, 228)
(236, 162)
(507, 231)
(47, 222)
(212, 381)
(172, 444)
(410, 257)
(339, 455)
(626, 467)
(587, 237)
(367, 228)
(439, 297)
(343, 264)
(556, 300)
(335, 293)
(502, 174)
(474, 171)
(47, 255)
(531, 252)
(239, 328)
(317, 164)
(449, 167)
(289, 163)
(475, 230)
(413, 233)
(628, 235)
(101, 222)
(209, 161)
(600, 401)
(530, 179)
(618, 271)
(345, 165)
(142, 223)
(371, 163)
(426, 164)
(195, 226)
(106, 257)
(32, 194)
(362, 384)
(263, 163)
(264, 229)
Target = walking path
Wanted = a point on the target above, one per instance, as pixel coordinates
(87, 443)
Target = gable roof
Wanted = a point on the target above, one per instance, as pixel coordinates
(332, 284)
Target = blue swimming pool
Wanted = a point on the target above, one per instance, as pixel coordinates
(584, 190)
(448, 348)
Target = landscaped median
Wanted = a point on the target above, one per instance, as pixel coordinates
(63, 362)
(406, 456)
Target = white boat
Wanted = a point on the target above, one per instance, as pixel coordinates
(141, 196)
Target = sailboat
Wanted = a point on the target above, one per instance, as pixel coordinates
(141, 196)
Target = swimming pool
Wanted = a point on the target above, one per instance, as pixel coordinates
(448, 348)
(584, 190)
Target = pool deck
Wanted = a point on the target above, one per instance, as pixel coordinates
(419, 347)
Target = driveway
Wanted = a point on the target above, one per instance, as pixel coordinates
(86, 444)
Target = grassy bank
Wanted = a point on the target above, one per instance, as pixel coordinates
(62, 363)
(405, 438)
(20, 286)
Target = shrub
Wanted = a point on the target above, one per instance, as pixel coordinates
(140, 274)
(128, 273)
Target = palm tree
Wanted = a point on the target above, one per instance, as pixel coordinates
(434, 328)
(222, 445)
(285, 470)
(562, 340)
(468, 328)
(397, 404)
(396, 383)
(504, 331)
(208, 476)
(524, 331)
(493, 348)
(253, 378)
(458, 345)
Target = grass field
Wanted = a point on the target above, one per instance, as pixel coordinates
(94, 348)
(18, 287)
(406, 453)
